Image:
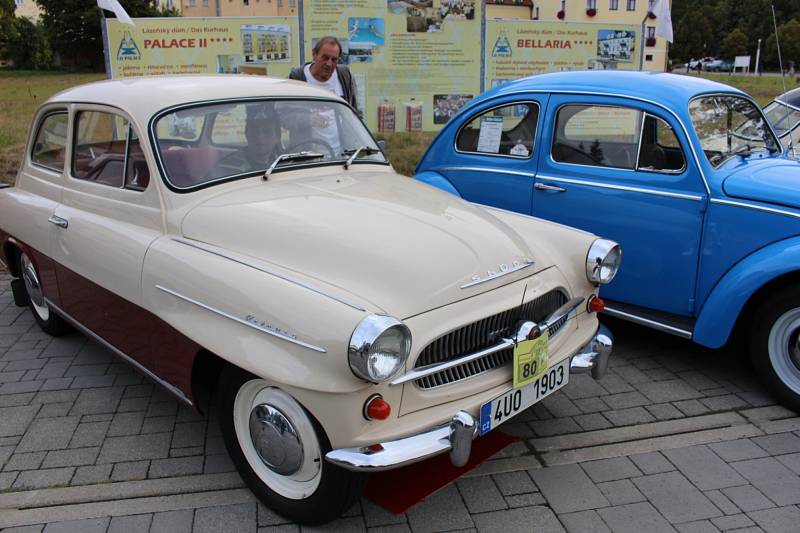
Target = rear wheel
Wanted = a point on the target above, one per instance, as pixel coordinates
(49, 321)
(775, 344)
(279, 450)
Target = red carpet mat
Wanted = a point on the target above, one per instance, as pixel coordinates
(397, 490)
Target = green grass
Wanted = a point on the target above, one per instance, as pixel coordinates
(22, 91)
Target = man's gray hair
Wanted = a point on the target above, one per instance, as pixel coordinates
(328, 39)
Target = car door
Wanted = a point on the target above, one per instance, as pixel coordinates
(622, 169)
(110, 214)
(494, 153)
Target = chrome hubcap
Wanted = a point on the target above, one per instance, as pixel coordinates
(275, 439)
(34, 288)
(784, 349)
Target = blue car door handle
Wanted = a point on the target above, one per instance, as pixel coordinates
(551, 188)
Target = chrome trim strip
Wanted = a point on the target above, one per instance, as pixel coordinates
(172, 389)
(273, 273)
(638, 99)
(756, 207)
(423, 371)
(649, 323)
(510, 270)
(693, 197)
(253, 325)
(492, 170)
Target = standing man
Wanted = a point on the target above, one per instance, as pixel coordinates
(325, 72)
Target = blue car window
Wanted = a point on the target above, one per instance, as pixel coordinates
(509, 130)
(660, 150)
(602, 136)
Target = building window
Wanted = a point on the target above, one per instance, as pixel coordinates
(192, 3)
(631, 5)
(648, 57)
(613, 5)
(591, 4)
(651, 32)
(205, 3)
(536, 13)
(651, 5)
(246, 2)
(19, 2)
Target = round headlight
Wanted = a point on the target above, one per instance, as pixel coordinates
(379, 348)
(602, 261)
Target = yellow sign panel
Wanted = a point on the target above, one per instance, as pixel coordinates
(158, 46)
(415, 62)
(519, 48)
(530, 360)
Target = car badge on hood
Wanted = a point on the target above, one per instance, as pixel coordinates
(502, 270)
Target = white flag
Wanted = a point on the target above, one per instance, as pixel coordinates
(664, 24)
(119, 11)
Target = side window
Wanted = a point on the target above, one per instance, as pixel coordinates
(509, 130)
(100, 143)
(602, 136)
(137, 173)
(51, 142)
(660, 150)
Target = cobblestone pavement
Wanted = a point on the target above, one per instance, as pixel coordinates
(674, 438)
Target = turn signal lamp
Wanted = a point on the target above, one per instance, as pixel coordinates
(596, 305)
(377, 408)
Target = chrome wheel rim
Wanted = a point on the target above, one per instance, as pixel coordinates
(784, 349)
(264, 417)
(34, 288)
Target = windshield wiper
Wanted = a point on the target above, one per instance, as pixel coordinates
(296, 156)
(356, 152)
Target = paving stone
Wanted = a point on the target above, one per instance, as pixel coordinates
(722, 502)
(791, 461)
(48, 434)
(168, 408)
(697, 380)
(779, 444)
(139, 391)
(92, 382)
(126, 424)
(15, 420)
(514, 483)
(584, 522)
(676, 498)
(626, 417)
(728, 402)
(239, 518)
(664, 411)
(51, 410)
(31, 479)
(701, 526)
(15, 400)
(172, 522)
(91, 401)
(592, 422)
(774, 480)
(631, 374)
(133, 404)
(374, 515)
(56, 396)
(130, 470)
(737, 450)
(522, 519)
(21, 386)
(652, 463)
(756, 399)
(568, 489)
(56, 384)
(121, 380)
(55, 368)
(625, 400)
(704, 468)
(442, 511)
(621, 492)
(102, 417)
(614, 384)
(342, 525)
(130, 524)
(560, 405)
(78, 370)
(71, 457)
(525, 500)
(748, 498)
(89, 434)
(635, 518)
(219, 462)
(294, 528)
(692, 407)
(583, 386)
(591, 405)
(176, 466)
(93, 354)
(85, 475)
(556, 426)
(186, 452)
(65, 346)
(134, 448)
(94, 525)
(673, 390)
(778, 520)
(7, 479)
(737, 521)
(480, 494)
(610, 469)
(25, 461)
(25, 529)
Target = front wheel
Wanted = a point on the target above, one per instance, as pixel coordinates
(775, 344)
(279, 450)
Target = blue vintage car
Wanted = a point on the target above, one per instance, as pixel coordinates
(683, 172)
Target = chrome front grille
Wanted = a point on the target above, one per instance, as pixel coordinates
(484, 334)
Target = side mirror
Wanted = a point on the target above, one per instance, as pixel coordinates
(382, 146)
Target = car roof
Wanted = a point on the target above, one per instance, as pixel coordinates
(142, 97)
(791, 97)
(672, 90)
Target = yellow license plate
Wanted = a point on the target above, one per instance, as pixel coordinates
(530, 360)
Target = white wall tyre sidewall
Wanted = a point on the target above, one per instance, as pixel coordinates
(303, 483)
(780, 335)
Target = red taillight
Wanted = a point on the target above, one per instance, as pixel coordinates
(377, 408)
(375, 448)
(596, 305)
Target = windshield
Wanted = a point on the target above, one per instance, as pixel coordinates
(209, 143)
(782, 117)
(728, 126)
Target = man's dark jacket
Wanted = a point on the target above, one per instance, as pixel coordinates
(345, 78)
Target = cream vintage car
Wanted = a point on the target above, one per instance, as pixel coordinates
(247, 236)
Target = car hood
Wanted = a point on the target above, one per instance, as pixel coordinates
(401, 245)
(774, 181)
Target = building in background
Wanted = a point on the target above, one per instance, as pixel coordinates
(27, 8)
(237, 8)
(609, 11)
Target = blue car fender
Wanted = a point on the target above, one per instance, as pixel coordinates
(726, 301)
(437, 180)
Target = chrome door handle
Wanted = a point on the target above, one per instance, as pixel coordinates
(58, 221)
(545, 187)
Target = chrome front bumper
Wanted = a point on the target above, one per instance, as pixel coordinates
(457, 436)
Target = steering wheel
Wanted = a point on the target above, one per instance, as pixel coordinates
(570, 154)
(313, 144)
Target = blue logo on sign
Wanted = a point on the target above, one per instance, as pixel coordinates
(502, 48)
(128, 48)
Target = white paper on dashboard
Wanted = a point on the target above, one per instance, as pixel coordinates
(489, 137)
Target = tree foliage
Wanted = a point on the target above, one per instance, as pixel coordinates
(30, 48)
